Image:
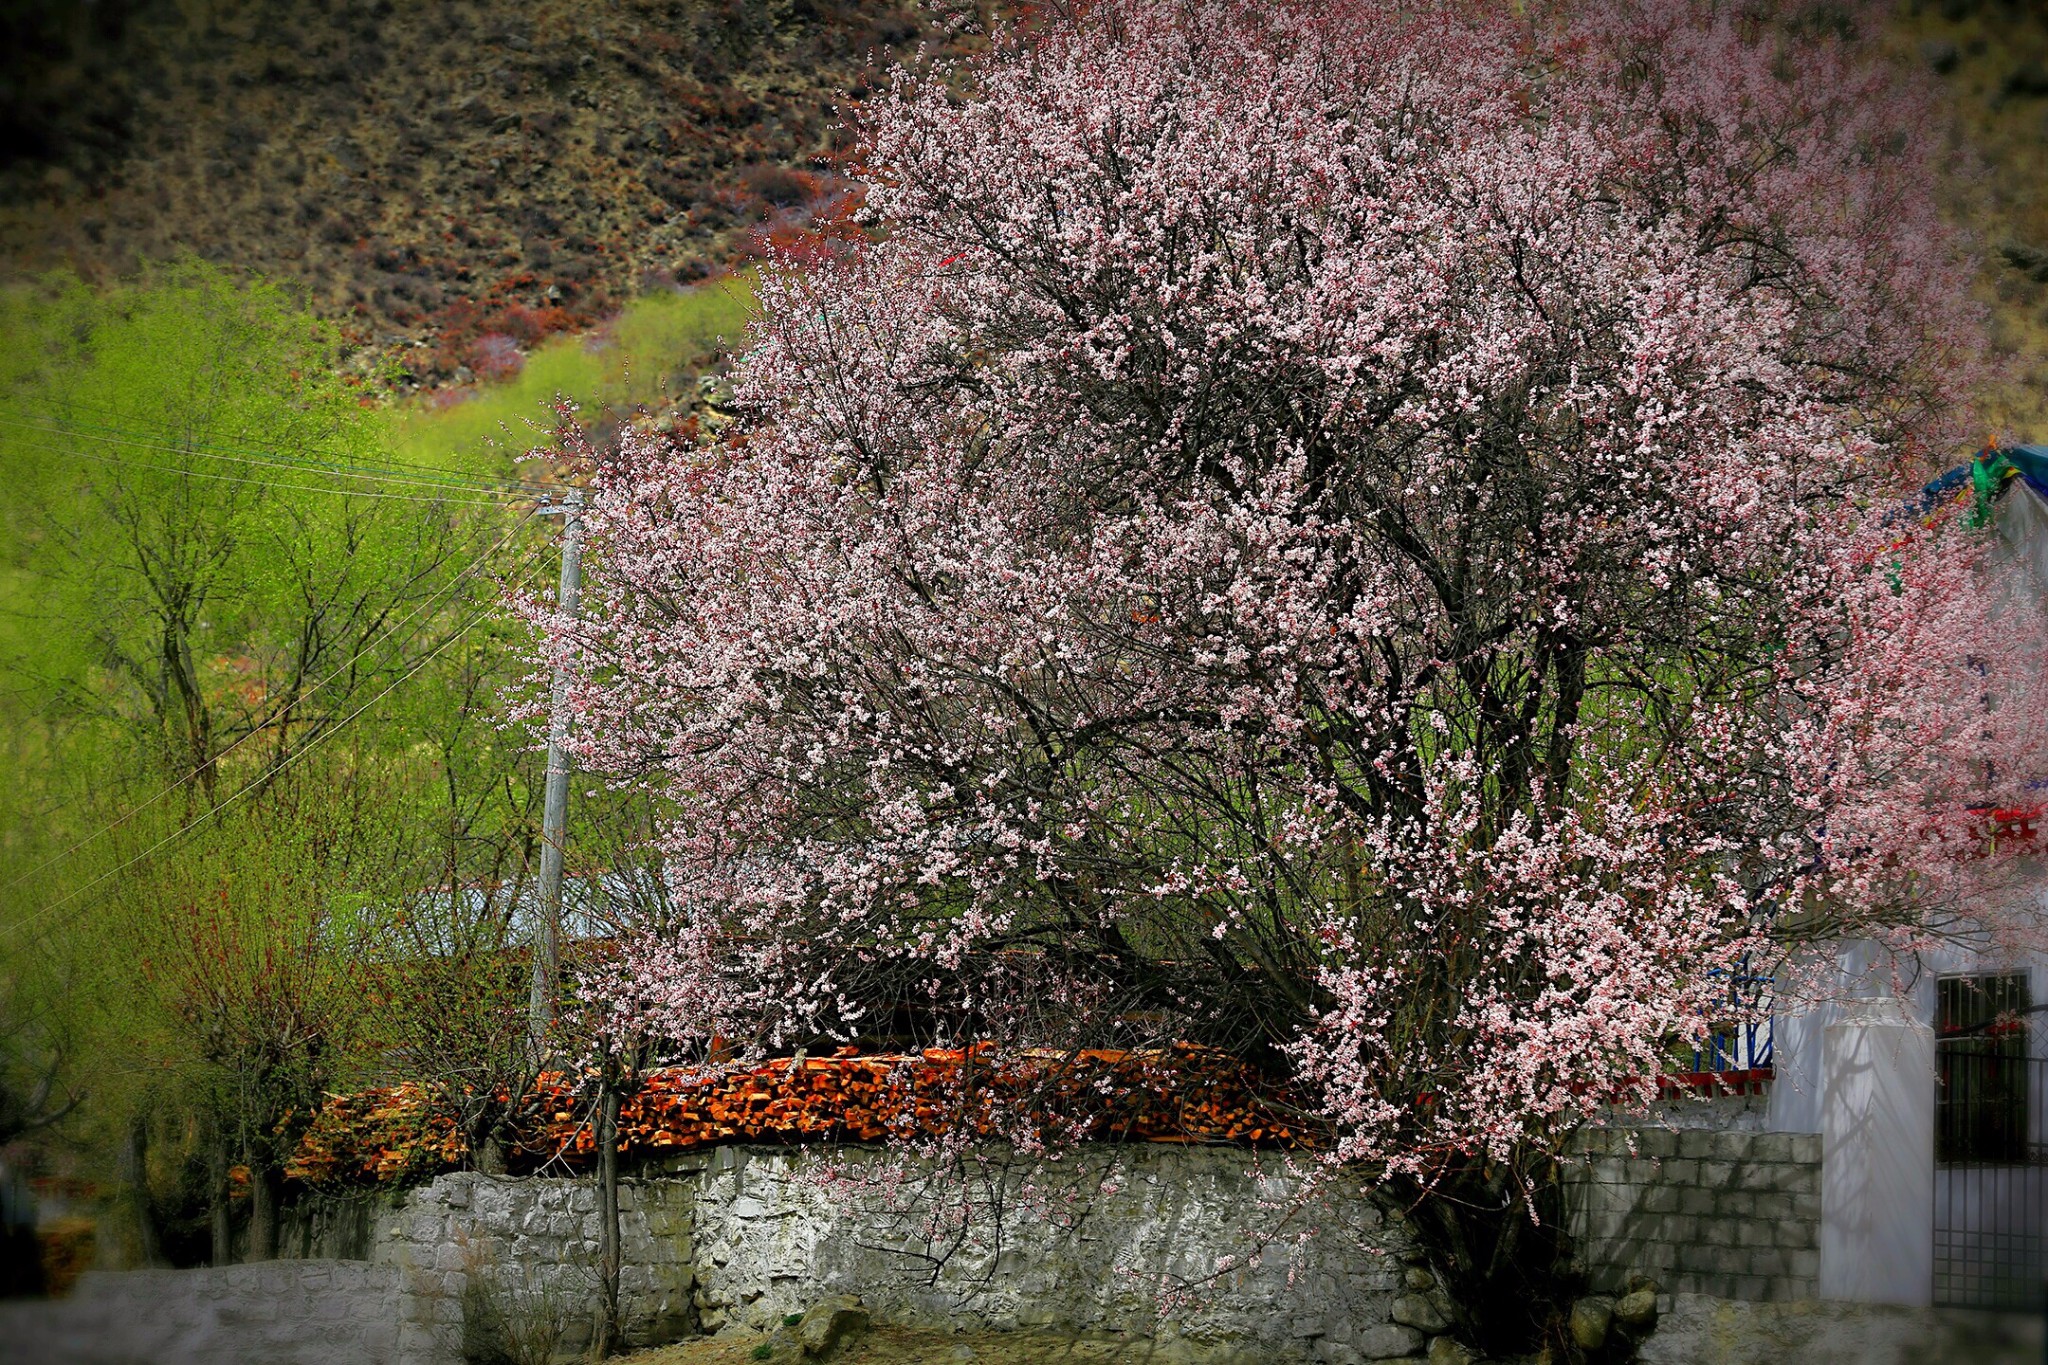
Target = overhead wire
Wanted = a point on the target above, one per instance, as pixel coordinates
(263, 483)
(346, 465)
(249, 455)
(443, 482)
(476, 496)
(382, 640)
(14, 926)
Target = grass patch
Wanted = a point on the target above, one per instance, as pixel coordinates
(646, 354)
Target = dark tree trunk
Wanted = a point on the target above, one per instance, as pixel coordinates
(217, 1163)
(266, 1196)
(1500, 1253)
(607, 1334)
(135, 1176)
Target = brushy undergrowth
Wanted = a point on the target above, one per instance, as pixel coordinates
(644, 357)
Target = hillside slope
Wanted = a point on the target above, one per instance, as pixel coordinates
(443, 177)
(457, 178)
(1991, 57)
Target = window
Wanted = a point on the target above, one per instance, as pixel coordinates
(1980, 1029)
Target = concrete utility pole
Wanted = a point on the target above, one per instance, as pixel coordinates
(554, 819)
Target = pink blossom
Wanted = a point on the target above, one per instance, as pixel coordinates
(1363, 534)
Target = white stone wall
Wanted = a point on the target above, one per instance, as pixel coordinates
(772, 1232)
(528, 1249)
(1734, 1213)
(1156, 1242)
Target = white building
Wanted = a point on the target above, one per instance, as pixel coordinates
(1932, 1103)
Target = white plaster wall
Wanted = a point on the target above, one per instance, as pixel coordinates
(1877, 1156)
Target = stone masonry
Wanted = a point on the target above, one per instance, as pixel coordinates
(1731, 1214)
(1152, 1242)
(1086, 1245)
(476, 1254)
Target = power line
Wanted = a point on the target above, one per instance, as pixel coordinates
(337, 462)
(252, 784)
(259, 483)
(257, 729)
(210, 450)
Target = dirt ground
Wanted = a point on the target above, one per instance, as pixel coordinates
(900, 1346)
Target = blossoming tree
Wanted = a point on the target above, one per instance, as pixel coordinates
(1365, 536)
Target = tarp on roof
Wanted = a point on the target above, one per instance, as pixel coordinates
(2023, 524)
(2032, 464)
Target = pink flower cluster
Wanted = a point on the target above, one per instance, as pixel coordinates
(1362, 534)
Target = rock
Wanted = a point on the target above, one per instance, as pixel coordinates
(1638, 1310)
(1590, 1318)
(963, 1352)
(2028, 260)
(1388, 1341)
(1450, 1351)
(830, 1325)
(1413, 1310)
(2028, 78)
(1419, 1279)
(1638, 1280)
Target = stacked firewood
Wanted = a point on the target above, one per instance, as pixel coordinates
(1180, 1094)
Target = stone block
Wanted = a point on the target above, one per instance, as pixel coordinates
(1388, 1341)
(1768, 1262)
(1714, 1260)
(1770, 1146)
(1419, 1312)
(1654, 1255)
(1717, 1174)
(1733, 1145)
(1745, 1204)
(1607, 1279)
(1697, 1202)
(1605, 1225)
(1589, 1142)
(1659, 1199)
(1795, 1234)
(1656, 1142)
(1696, 1143)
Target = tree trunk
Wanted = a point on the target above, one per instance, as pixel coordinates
(265, 1196)
(1496, 1240)
(135, 1176)
(217, 1192)
(606, 1338)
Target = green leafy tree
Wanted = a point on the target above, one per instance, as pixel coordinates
(252, 671)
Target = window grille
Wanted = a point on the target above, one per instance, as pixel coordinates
(1981, 1041)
